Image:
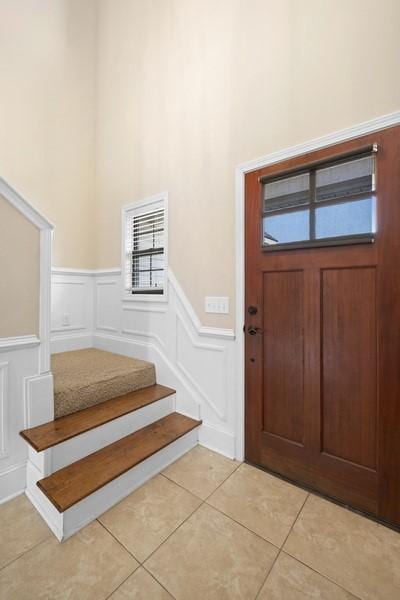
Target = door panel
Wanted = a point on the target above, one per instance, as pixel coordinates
(322, 372)
(349, 394)
(284, 356)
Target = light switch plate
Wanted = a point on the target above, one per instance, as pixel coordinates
(217, 304)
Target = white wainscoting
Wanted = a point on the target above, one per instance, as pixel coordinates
(25, 400)
(198, 362)
(71, 298)
(26, 384)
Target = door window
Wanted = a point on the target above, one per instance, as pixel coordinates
(331, 203)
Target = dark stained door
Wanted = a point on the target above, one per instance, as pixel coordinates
(323, 347)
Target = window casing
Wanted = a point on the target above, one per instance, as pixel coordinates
(145, 249)
(328, 203)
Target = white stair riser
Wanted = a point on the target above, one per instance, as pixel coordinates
(84, 512)
(80, 446)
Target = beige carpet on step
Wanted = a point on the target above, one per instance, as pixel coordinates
(83, 378)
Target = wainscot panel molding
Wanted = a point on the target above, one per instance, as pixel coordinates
(72, 307)
(3, 408)
(17, 366)
(197, 361)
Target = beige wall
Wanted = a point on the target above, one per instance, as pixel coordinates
(47, 97)
(187, 89)
(103, 102)
(19, 268)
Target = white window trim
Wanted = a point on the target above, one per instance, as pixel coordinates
(157, 198)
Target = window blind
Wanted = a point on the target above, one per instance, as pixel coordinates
(145, 257)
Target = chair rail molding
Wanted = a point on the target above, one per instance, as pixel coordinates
(375, 124)
(20, 341)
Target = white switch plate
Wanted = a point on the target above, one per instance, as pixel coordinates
(66, 320)
(217, 304)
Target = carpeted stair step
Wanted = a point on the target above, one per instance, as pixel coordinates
(70, 485)
(64, 428)
(83, 378)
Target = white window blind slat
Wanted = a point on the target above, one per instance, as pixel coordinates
(145, 250)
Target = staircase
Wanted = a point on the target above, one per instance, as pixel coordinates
(84, 462)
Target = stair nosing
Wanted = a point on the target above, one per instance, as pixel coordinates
(194, 423)
(40, 448)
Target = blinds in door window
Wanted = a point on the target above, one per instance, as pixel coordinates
(145, 255)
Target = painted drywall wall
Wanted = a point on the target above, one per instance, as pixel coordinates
(105, 102)
(19, 268)
(47, 50)
(187, 89)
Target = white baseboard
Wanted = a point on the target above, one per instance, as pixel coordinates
(218, 440)
(67, 343)
(12, 481)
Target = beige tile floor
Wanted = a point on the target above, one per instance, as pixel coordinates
(206, 528)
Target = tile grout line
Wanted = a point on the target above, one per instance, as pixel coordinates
(211, 493)
(141, 564)
(311, 495)
(119, 542)
(12, 561)
(321, 574)
(159, 582)
(128, 551)
(122, 583)
(181, 487)
(281, 548)
(228, 517)
(184, 521)
(204, 501)
(241, 524)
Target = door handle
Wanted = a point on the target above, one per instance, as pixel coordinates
(251, 330)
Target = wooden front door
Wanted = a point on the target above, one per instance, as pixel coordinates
(322, 329)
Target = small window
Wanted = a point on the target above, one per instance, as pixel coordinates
(145, 248)
(331, 203)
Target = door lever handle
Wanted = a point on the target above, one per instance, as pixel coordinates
(254, 330)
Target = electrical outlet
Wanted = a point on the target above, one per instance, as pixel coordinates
(214, 304)
(66, 320)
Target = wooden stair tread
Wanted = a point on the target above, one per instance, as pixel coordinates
(73, 483)
(64, 428)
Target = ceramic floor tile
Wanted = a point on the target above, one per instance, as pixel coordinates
(353, 551)
(201, 471)
(263, 503)
(210, 556)
(291, 580)
(140, 586)
(143, 520)
(89, 566)
(21, 528)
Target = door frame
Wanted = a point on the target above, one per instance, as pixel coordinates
(342, 135)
